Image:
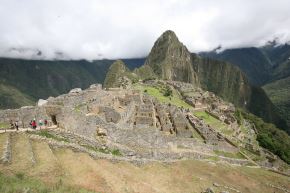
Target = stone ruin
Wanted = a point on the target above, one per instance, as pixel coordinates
(126, 117)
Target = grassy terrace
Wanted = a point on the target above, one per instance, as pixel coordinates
(157, 92)
(213, 122)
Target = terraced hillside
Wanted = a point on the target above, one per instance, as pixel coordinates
(36, 165)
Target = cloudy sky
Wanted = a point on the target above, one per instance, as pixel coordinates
(94, 29)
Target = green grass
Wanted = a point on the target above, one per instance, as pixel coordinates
(230, 155)
(21, 183)
(157, 92)
(213, 122)
(116, 152)
(4, 125)
(45, 133)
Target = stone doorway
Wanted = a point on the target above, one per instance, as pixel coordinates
(53, 119)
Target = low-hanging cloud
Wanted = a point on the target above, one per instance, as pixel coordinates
(94, 29)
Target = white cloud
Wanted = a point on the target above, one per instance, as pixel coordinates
(94, 29)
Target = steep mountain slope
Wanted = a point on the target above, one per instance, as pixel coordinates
(230, 83)
(279, 93)
(171, 60)
(251, 61)
(224, 79)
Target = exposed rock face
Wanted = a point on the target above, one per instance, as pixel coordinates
(170, 59)
(224, 79)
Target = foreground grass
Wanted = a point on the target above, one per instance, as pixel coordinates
(21, 183)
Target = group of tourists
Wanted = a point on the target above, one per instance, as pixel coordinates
(41, 123)
(33, 124)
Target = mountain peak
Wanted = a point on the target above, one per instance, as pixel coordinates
(169, 35)
(170, 59)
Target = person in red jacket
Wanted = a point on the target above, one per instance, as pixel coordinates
(34, 124)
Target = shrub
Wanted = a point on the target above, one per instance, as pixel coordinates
(167, 91)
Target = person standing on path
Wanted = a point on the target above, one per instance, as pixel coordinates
(34, 124)
(16, 125)
(40, 123)
(45, 123)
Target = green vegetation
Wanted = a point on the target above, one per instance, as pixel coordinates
(47, 134)
(21, 183)
(213, 122)
(270, 137)
(4, 125)
(167, 91)
(279, 93)
(116, 152)
(158, 93)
